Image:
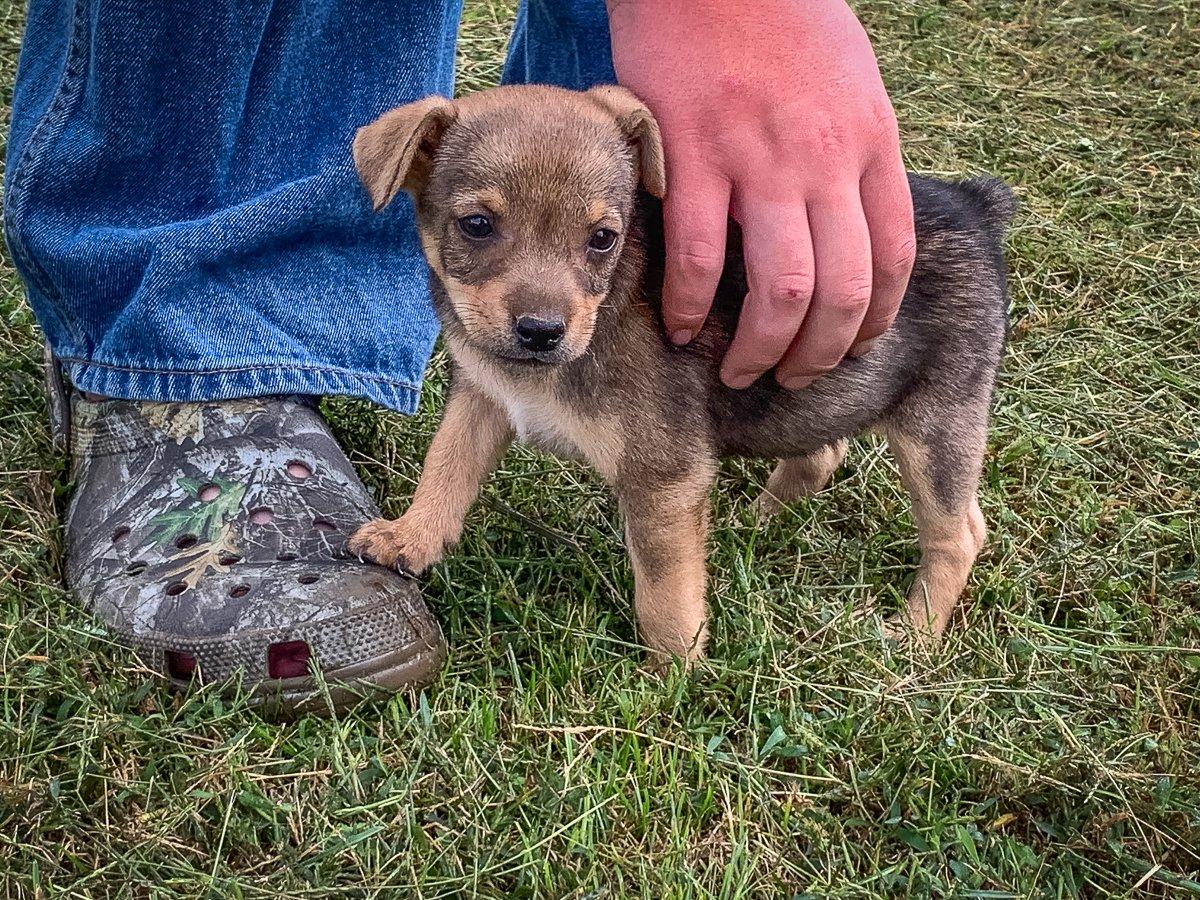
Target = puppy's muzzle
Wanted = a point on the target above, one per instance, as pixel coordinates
(538, 335)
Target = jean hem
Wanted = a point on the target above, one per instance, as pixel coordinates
(176, 386)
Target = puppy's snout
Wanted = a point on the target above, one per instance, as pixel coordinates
(539, 335)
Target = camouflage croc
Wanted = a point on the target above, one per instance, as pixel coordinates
(211, 537)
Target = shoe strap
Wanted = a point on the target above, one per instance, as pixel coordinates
(59, 400)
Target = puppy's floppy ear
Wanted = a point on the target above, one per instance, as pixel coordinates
(393, 152)
(639, 126)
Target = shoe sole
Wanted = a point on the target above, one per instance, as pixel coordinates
(377, 678)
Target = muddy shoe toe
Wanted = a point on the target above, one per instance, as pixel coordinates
(211, 537)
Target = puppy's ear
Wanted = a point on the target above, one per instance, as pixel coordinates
(393, 152)
(641, 129)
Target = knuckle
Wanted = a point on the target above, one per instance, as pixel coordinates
(825, 134)
(833, 138)
(790, 289)
(763, 360)
(895, 260)
(882, 115)
(699, 260)
(853, 295)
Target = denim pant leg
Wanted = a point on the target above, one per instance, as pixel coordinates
(182, 203)
(562, 42)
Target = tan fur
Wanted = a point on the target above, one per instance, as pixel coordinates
(950, 540)
(479, 306)
(489, 199)
(470, 441)
(432, 257)
(538, 416)
(801, 476)
(599, 210)
(555, 293)
(666, 530)
(389, 154)
(637, 122)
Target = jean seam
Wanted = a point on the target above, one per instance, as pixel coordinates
(229, 370)
(48, 127)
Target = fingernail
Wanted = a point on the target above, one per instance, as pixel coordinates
(681, 337)
(739, 380)
(862, 348)
(796, 382)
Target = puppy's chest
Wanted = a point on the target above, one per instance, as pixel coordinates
(543, 423)
(540, 418)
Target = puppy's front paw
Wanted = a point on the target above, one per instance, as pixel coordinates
(658, 664)
(398, 544)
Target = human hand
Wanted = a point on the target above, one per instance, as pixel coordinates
(773, 112)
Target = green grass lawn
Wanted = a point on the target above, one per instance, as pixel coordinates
(1049, 747)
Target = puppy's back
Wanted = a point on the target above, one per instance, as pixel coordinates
(949, 332)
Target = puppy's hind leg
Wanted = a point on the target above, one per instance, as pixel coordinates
(800, 476)
(940, 461)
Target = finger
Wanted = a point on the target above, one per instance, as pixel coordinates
(779, 269)
(695, 219)
(841, 292)
(887, 206)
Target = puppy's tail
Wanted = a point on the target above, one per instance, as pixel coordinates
(994, 199)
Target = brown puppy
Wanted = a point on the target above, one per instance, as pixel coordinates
(547, 268)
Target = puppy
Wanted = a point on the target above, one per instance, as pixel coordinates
(547, 268)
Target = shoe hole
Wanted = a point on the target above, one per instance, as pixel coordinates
(136, 568)
(324, 525)
(288, 659)
(288, 556)
(308, 578)
(209, 492)
(298, 470)
(180, 666)
(120, 534)
(184, 541)
(262, 515)
(239, 591)
(175, 588)
(228, 559)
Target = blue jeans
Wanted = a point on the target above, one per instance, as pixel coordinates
(181, 200)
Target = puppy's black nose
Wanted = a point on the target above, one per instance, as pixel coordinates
(539, 335)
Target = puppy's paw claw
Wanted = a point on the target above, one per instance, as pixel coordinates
(660, 663)
(767, 505)
(901, 629)
(396, 544)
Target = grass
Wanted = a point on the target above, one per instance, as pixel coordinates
(1048, 748)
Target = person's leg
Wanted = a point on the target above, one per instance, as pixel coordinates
(182, 204)
(562, 42)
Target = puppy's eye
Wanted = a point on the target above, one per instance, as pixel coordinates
(602, 240)
(476, 227)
